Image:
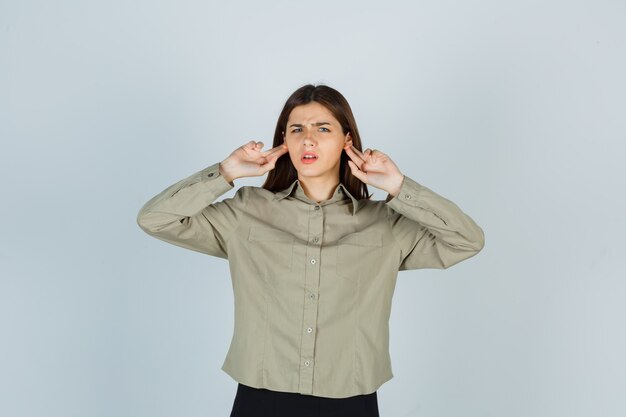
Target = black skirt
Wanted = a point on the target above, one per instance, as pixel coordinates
(260, 402)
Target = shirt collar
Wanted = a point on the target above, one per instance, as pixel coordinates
(296, 189)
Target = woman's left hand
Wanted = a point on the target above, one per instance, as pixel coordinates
(374, 168)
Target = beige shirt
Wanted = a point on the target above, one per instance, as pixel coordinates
(313, 282)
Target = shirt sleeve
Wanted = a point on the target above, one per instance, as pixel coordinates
(431, 231)
(185, 214)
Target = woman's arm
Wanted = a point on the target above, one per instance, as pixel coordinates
(185, 214)
(431, 231)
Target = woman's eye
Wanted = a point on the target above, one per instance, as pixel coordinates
(298, 129)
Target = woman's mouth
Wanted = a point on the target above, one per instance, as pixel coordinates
(308, 158)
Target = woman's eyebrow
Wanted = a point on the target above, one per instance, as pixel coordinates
(314, 124)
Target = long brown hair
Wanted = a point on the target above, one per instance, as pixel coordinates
(284, 173)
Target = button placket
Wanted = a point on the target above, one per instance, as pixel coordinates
(311, 286)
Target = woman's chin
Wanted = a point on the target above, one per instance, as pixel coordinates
(310, 173)
(308, 170)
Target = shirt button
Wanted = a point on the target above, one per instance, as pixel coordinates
(312, 296)
(316, 239)
(309, 330)
(307, 363)
(317, 207)
(313, 261)
(407, 196)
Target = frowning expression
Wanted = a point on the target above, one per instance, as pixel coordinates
(312, 130)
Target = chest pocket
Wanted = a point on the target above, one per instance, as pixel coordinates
(358, 254)
(271, 249)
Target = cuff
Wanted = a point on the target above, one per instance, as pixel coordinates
(409, 193)
(217, 181)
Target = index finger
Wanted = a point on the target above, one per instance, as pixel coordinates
(277, 149)
(356, 153)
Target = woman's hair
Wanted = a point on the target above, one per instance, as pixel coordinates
(284, 173)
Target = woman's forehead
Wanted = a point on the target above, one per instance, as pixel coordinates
(311, 113)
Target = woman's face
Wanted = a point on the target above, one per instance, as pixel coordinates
(312, 129)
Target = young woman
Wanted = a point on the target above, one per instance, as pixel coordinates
(313, 259)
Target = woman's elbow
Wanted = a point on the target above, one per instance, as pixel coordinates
(143, 222)
(470, 248)
(478, 243)
(148, 222)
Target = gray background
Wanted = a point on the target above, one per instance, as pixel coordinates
(513, 110)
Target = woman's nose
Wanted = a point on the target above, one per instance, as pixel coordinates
(308, 135)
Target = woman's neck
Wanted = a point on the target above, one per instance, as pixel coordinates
(317, 188)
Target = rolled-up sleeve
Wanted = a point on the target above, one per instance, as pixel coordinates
(432, 232)
(185, 214)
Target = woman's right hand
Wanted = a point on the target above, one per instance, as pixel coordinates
(249, 161)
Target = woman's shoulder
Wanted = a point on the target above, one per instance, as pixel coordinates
(256, 192)
(372, 205)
